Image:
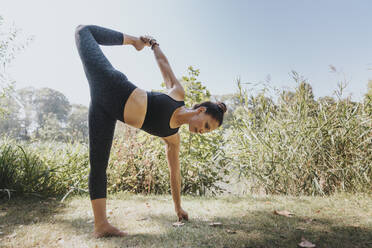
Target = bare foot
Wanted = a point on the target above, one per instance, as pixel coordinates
(139, 44)
(107, 230)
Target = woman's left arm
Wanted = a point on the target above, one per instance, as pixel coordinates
(172, 150)
(170, 79)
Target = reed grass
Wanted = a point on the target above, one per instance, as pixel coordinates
(303, 146)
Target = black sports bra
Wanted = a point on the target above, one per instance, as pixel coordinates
(160, 108)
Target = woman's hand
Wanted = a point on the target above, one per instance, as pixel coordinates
(148, 40)
(182, 214)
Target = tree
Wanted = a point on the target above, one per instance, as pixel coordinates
(77, 123)
(28, 119)
(8, 48)
(51, 129)
(49, 101)
(10, 123)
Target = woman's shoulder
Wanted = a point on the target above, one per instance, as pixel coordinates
(177, 94)
(170, 95)
(173, 140)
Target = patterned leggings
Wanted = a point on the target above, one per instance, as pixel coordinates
(109, 91)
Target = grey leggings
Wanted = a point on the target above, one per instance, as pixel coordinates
(109, 91)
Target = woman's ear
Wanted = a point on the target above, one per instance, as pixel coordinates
(202, 109)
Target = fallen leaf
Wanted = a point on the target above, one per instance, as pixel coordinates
(230, 231)
(283, 213)
(178, 224)
(305, 243)
(215, 224)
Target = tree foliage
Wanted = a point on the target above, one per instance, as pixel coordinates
(49, 101)
(9, 46)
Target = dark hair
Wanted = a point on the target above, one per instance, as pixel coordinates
(216, 110)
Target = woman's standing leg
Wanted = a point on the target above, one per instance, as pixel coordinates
(101, 133)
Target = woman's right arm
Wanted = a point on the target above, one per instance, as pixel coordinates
(170, 79)
(172, 152)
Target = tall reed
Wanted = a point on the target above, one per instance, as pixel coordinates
(303, 146)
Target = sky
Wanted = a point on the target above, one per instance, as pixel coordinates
(226, 40)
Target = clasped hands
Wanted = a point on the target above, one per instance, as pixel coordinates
(149, 41)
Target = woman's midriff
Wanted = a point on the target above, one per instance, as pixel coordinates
(135, 108)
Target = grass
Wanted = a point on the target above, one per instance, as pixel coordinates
(337, 221)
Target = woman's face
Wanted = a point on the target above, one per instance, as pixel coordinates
(202, 122)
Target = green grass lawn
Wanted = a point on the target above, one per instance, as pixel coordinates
(337, 221)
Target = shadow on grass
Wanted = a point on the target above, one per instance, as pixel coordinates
(254, 229)
(26, 211)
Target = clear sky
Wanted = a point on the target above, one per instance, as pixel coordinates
(224, 39)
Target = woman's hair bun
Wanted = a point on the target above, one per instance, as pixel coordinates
(222, 106)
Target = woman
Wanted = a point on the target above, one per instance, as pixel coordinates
(114, 97)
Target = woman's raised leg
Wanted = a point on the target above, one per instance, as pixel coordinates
(88, 38)
(108, 86)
